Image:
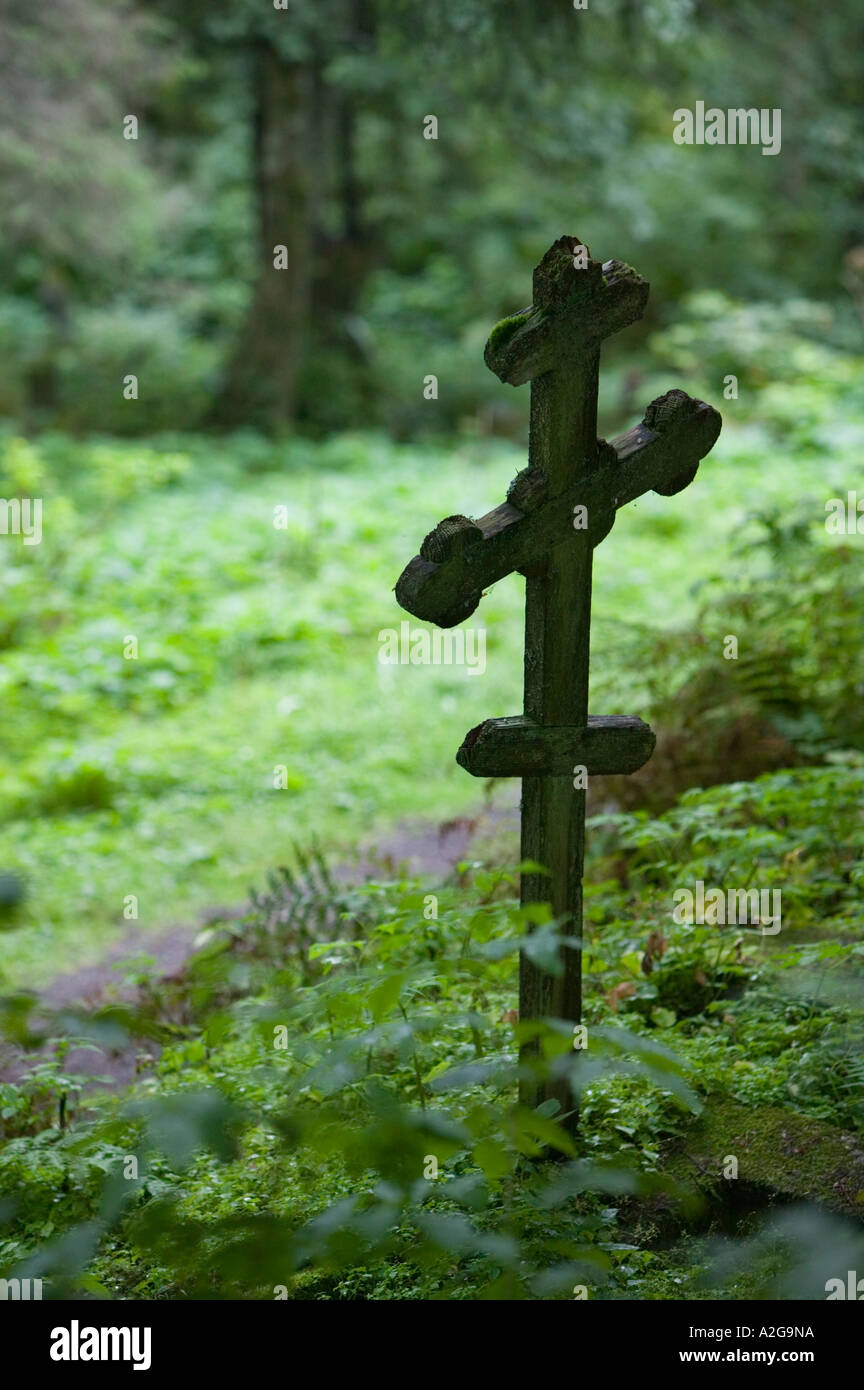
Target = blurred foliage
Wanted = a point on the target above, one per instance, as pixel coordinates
(548, 121)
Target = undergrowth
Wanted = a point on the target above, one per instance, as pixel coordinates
(334, 1112)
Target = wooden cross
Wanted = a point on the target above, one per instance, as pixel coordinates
(557, 510)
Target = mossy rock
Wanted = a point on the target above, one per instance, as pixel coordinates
(786, 1156)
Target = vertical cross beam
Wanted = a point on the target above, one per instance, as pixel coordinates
(563, 430)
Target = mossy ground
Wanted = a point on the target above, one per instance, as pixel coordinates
(788, 1156)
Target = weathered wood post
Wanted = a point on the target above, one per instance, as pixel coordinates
(557, 510)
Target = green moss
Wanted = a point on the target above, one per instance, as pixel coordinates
(788, 1154)
(505, 329)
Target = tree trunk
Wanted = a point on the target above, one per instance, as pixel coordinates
(345, 253)
(260, 384)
